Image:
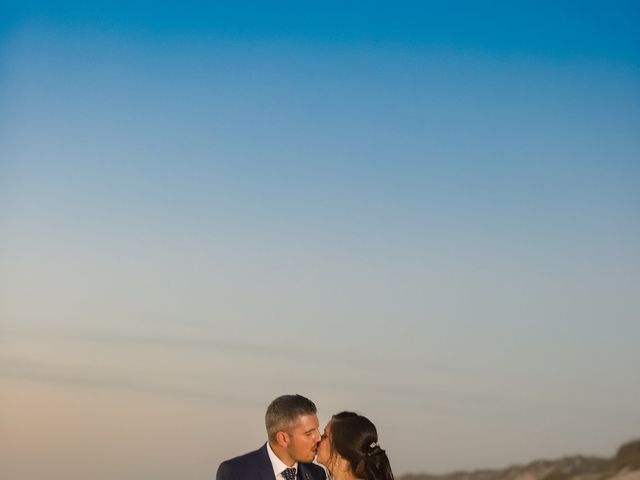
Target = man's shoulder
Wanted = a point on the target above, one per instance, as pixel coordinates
(242, 466)
(246, 459)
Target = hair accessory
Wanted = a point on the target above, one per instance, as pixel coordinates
(373, 444)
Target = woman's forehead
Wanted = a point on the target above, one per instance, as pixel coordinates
(327, 427)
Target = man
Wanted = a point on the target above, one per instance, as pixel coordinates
(292, 428)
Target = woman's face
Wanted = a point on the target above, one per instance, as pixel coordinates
(324, 448)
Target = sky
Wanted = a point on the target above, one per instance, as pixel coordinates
(426, 212)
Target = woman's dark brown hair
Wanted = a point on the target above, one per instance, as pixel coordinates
(355, 438)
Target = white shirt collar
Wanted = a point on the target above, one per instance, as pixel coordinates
(277, 464)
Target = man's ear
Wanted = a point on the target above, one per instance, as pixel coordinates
(282, 438)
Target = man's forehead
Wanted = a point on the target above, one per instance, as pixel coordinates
(306, 422)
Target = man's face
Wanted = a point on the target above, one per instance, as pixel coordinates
(303, 439)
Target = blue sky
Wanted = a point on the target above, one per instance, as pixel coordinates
(551, 29)
(427, 212)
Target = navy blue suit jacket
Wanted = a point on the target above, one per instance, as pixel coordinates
(257, 466)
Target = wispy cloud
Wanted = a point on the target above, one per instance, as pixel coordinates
(76, 376)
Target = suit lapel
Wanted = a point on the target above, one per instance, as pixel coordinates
(264, 467)
(303, 472)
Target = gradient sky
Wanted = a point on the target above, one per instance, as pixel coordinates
(427, 212)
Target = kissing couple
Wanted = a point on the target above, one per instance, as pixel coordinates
(348, 448)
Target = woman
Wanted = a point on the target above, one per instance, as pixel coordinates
(349, 449)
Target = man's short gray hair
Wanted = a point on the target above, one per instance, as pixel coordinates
(285, 410)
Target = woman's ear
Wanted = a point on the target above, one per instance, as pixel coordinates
(341, 464)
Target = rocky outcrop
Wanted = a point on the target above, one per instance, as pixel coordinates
(625, 465)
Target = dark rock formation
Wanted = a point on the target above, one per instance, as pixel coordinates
(625, 465)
